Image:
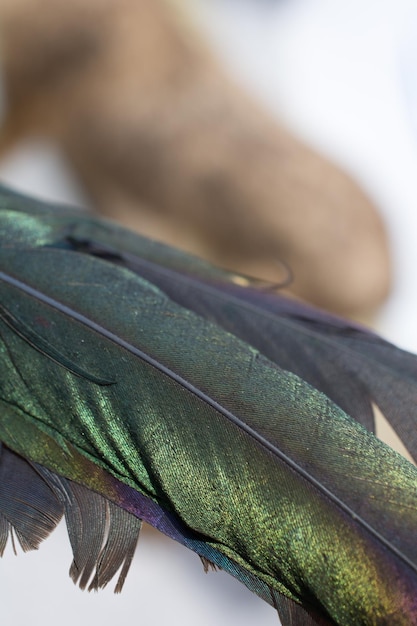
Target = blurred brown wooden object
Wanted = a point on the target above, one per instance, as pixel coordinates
(164, 141)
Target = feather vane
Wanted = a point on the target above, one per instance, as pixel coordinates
(229, 418)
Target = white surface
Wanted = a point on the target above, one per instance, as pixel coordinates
(166, 585)
(344, 75)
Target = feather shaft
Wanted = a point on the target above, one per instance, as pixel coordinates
(205, 398)
(204, 434)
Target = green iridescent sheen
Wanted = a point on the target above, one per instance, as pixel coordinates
(256, 462)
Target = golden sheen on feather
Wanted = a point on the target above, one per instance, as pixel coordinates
(139, 383)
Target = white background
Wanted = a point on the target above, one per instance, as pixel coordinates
(344, 75)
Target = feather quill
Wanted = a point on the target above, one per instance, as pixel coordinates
(229, 418)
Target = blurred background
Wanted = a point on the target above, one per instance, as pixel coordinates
(343, 77)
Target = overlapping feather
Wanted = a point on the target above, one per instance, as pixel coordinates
(219, 413)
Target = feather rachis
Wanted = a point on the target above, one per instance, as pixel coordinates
(109, 448)
(158, 477)
(328, 352)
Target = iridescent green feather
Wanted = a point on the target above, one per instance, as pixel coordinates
(109, 381)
